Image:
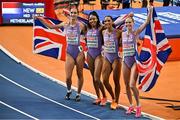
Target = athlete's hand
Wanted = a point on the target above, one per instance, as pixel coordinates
(150, 8)
(38, 17)
(131, 14)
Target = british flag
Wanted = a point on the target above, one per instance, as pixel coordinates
(153, 55)
(120, 21)
(51, 42)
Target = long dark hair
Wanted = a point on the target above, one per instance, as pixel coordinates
(98, 21)
(113, 25)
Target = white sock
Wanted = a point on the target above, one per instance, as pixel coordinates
(131, 105)
(139, 105)
(69, 91)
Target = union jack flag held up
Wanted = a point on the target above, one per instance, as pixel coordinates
(51, 42)
(153, 55)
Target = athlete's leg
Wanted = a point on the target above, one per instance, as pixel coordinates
(91, 65)
(133, 79)
(116, 66)
(97, 74)
(69, 65)
(79, 68)
(126, 75)
(106, 71)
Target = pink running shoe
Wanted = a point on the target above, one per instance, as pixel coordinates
(97, 101)
(103, 101)
(138, 111)
(130, 110)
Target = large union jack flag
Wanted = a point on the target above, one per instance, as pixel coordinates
(52, 42)
(49, 42)
(153, 55)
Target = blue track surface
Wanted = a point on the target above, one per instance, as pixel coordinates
(42, 98)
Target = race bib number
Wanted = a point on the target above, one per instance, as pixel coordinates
(110, 47)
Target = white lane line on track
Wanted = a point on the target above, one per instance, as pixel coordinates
(48, 98)
(63, 84)
(1, 102)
